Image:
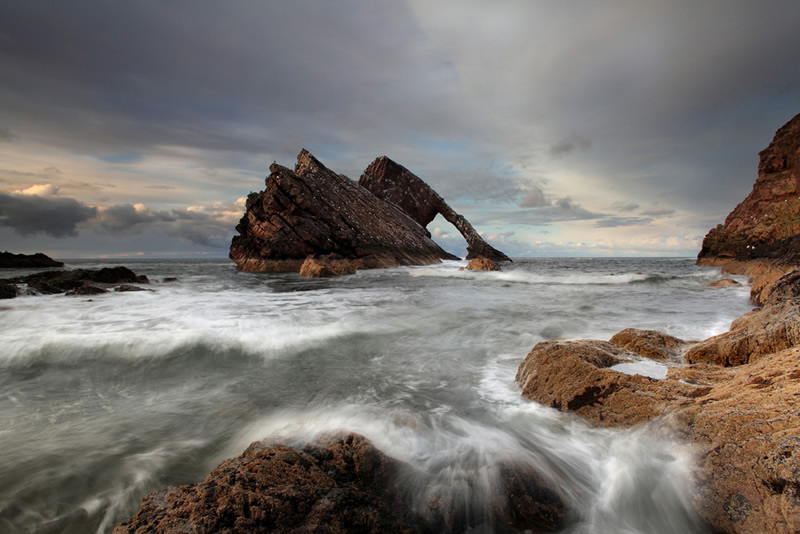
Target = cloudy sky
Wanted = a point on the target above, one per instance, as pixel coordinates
(556, 128)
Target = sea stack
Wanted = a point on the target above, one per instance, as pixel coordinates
(314, 213)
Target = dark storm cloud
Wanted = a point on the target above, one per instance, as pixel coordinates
(123, 219)
(246, 76)
(32, 214)
(207, 228)
(669, 101)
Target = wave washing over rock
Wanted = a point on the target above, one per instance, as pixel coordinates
(139, 392)
(320, 223)
(734, 396)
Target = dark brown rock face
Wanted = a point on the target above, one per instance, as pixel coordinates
(342, 485)
(77, 281)
(766, 224)
(312, 211)
(27, 261)
(339, 485)
(396, 184)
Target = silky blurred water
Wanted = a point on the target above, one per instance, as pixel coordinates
(107, 398)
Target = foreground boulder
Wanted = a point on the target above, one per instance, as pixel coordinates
(394, 183)
(338, 485)
(342, 485)
(27, 261)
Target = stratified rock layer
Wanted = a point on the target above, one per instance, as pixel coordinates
(314, 212)
(396, 184)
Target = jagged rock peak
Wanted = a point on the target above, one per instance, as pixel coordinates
(766, 224)
(313, 211)
(394, 183)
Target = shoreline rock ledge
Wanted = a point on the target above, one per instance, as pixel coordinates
(734, 397)
(312, 214)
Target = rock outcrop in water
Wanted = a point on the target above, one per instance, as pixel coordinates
(734, 396)
(9, 260)
(338, 485)
(312, 212)
(71, 282)
(394, 183)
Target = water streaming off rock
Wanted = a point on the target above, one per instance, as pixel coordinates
(106, 400)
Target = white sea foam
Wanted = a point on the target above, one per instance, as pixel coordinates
(152, 389)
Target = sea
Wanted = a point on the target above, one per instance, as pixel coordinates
(104, 399)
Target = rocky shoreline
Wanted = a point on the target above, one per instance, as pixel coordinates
(733, 398)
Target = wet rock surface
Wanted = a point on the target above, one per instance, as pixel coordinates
(734, 396)
(481, 264)
(312, 211)
(340, 484)
(75, 281)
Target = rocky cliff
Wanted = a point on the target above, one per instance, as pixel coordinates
(314, 212)
(766, 224)
(396, 184)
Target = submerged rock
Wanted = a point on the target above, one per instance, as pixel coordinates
(9, 260)
(86, 289)
(8, 291)
(723, 282)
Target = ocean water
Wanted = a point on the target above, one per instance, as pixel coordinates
(105, 399)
